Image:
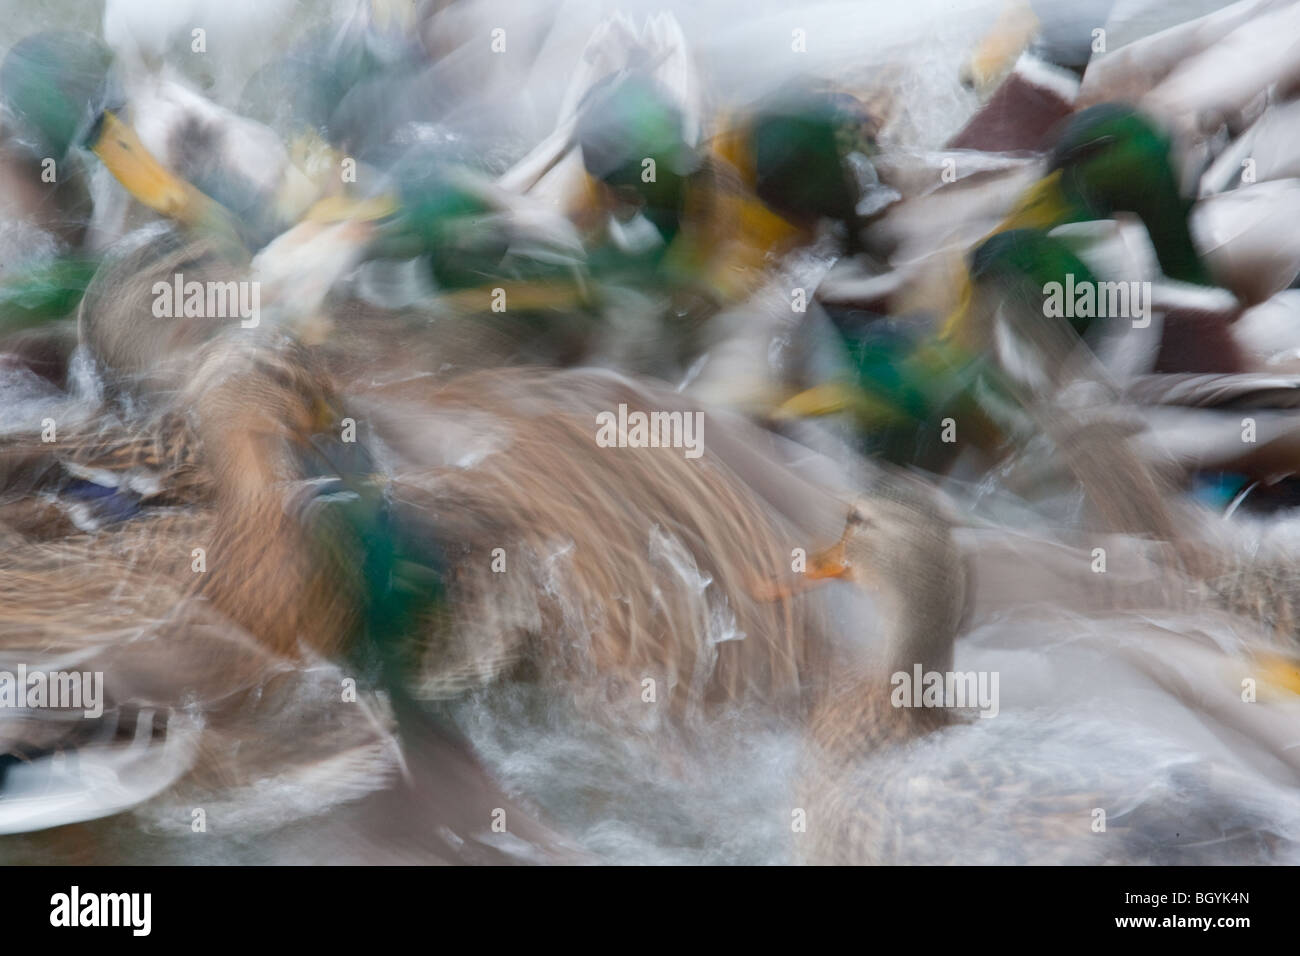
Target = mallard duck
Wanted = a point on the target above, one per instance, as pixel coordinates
(426, 485)
(759, 187)
(257, 428)
(226, 453)
(776, 195)
(1011, 311)
(711, 207)
(175, 150)
(198, 713)
(1002, 312)
(175, 676)
(1186, 363)
(1111, 160)
(183, 579)
(1108, 159)
(541, 525)
(473, 236)
(928, 398)
(61, 91)
(909, 396)
(179, 154)
(889, 781)
(795, 152)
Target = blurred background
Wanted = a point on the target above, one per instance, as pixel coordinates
(984, 313)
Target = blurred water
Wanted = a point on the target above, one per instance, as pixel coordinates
(648, 794)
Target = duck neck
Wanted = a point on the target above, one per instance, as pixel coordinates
(863, 712)
(265, 573)
(1173, 244)
(923, 625)
(1158, 203)
(922, 596)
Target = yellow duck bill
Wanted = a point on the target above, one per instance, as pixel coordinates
(119, 148)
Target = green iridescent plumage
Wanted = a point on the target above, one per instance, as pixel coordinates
(1021, 264)
(55, 85)
(1113, 159)
(800, 141)
(907, 393)
(624, 126)
(398, 565)
(44, 292)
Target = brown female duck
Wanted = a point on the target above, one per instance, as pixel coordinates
(898, 773)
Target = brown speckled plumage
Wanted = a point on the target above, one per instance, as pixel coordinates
(621, 563)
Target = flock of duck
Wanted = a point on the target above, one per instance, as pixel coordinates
(360, 583)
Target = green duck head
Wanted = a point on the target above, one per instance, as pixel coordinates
(1018, 266)
(898, 386)
(1110, 158)
(1032, 300)
(800, 140)
(626, 121)
(443, 211)
(62, 93)
(56, 85)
